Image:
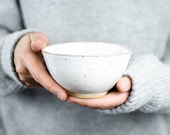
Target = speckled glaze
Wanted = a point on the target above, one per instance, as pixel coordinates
(89, 75)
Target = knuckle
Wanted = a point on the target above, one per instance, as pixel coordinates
(28, 84)
(47, 85)
(19, 69)
(50, 87)
(22, 78)
(37, 76)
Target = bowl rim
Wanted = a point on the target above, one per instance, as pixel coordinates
(129, 51)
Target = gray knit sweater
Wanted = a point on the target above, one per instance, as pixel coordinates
(142, 25)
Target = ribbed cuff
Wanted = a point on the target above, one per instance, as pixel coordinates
(145, 72)
(7, 53)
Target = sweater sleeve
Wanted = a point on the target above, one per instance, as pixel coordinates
(10, 22)
(150, 86)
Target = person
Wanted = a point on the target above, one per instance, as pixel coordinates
(33, 103)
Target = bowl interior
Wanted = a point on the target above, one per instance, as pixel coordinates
(86, 49)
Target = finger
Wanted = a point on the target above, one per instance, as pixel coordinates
(124, 84)
(41, 76)
(24, 77)
(38, 41)
(109, 101)
(37, 45)
(32, 83)
(28, 80)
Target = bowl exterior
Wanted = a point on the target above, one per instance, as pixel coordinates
(86, 75)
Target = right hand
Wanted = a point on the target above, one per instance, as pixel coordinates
(117, 97)
(29, 64)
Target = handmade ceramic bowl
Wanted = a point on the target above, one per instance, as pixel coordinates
(86, 69)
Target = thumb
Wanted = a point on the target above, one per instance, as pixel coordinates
(38, 41)
(124, 84)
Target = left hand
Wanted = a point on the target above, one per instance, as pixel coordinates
(111, 100)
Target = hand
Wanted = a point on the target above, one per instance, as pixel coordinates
(111, 100)
(29, 64)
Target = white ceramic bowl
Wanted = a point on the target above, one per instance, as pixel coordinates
(86, 69)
